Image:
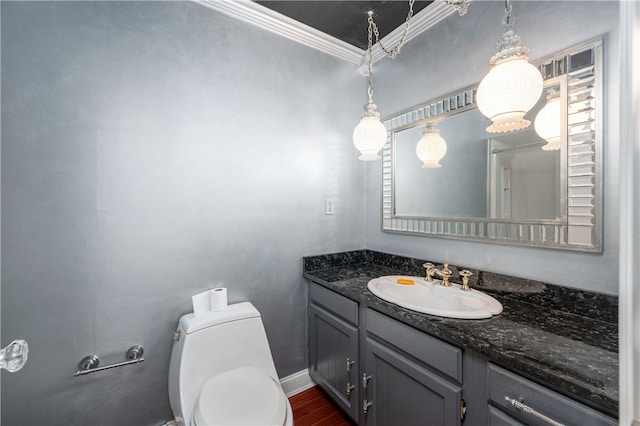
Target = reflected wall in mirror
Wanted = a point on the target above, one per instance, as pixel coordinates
(528, 175)
(516, 187)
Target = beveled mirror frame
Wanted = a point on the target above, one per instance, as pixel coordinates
(582, 229)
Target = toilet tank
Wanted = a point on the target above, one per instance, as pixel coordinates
(211, 344)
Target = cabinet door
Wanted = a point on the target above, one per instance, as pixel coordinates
(399, 391)
(333, 354)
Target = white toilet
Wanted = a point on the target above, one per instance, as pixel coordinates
(222, 373)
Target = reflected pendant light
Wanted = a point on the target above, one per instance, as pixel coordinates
(431, 148)
(548, 122)
(512, 86)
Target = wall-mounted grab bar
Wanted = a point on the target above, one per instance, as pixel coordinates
(89, 364)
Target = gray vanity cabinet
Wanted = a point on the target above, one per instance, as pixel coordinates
(333, 347)
(386, 374)
(520, 401)
(409, 377)
(383, 372)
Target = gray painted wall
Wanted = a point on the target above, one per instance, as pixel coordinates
(151, 151)
(454, 55)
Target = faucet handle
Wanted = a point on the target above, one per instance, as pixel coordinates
(445, 273)
(465, 274)
(430, 267)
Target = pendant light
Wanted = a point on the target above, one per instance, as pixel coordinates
(431, 148)
(370, 135)
(512, 86)
(548, 122)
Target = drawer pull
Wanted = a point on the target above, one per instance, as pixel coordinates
(350, 387)
(526, 409)
(365, 402)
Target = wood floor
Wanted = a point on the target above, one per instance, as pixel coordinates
(313, 408)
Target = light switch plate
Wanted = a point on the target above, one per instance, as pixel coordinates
(329, 206)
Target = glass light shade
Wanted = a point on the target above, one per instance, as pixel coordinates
(431, 148)
(548, 124)
(369, 137)
(510, 89)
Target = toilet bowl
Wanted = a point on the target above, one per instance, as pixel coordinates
(222, 372)
(244, 396)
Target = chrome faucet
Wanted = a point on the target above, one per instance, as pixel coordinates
(443, 273)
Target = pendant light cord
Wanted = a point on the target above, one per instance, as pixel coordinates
(392, 53)
(508, 18)
(370, 57)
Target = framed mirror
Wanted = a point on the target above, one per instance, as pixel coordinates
(513, 188)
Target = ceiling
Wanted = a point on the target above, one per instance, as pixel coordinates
(346, 20)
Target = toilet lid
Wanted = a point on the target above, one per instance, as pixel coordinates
(243, 396)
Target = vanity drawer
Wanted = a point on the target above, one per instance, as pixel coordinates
(505, 384)
(498, 417)
(441, 356)
(345, 308)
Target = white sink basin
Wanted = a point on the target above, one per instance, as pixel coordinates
(432, 298)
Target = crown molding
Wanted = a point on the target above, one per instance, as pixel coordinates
(267, 19)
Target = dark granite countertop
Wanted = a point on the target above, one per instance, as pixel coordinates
(563, 338)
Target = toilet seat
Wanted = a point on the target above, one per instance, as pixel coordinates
(243, 396)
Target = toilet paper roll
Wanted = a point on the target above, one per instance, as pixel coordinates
(219, 299)
(201, 303)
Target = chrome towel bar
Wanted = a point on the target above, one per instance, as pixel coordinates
(89, 364)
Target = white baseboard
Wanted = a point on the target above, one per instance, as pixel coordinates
(296, 383)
